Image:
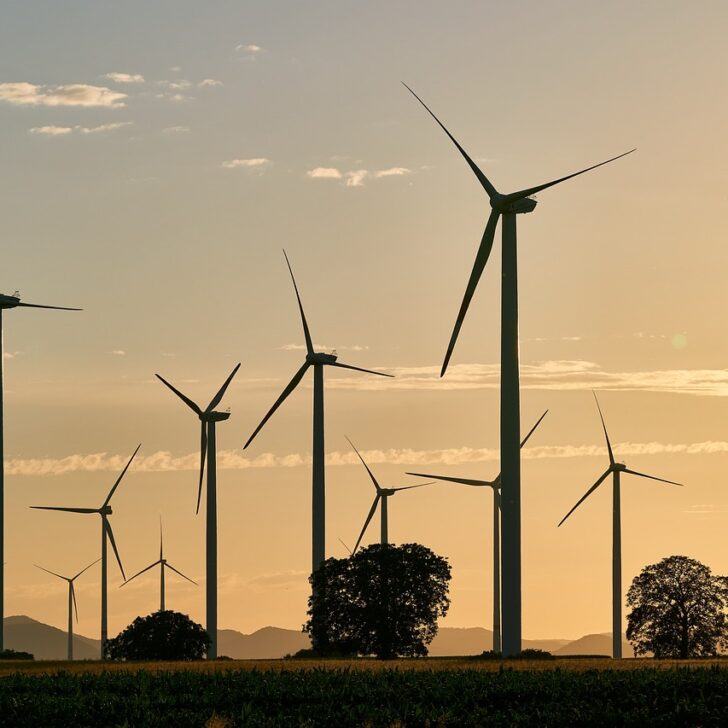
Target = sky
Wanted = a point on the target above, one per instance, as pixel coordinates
(155, 159)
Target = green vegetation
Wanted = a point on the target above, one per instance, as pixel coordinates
(15, 655)
(435, 693)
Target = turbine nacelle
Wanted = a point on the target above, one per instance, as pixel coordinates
(105, 510)
(214, 416)
(320, 358)
(8, 301)
(619, 467)
(512, 204)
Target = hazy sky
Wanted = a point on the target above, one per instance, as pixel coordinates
(156, 157)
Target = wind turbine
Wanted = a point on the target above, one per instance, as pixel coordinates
(163, 563)
(495, 485)
(208, 419)
(107, 535)
(507, 206)
(8, 302)
(317, 360)
(382, 497)
(616, 469)
(72, 606)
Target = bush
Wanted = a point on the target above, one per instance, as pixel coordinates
(15, 655)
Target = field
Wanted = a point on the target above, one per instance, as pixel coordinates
(428, 692)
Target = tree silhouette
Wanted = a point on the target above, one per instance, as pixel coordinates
(677, 609)
(164, 635)
(384, 600)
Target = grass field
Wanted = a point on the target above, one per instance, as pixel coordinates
(399, 694)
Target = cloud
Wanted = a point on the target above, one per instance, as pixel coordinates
(323, 347)
(176, 97)
(118, 352)
(75, 94)
(176, 130)
(324, 173)
(249, 48)
(12, 354)
(279, 580)
(125, 77)
(180, 85)
(164, 462)
(356, 178)
(209, 82)
(51, 130)
(246, 163)
(103, 127)
(392, 172)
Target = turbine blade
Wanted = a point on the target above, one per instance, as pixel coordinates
(55, 308)
(651, 477)
(366, 523)
(351, 553)
(110, 534)
(169, 566)
(462, 481)
(291, 386)
(409, 487)
(306, 332)
(371, 474)
(73, 599)
(161, 545)
(203, 455)
(192, 405)
(357, 369)
(67, 510)
(85, 569)
(533, 429)
(586, 495)
(139, 573)
(515, 196)
(481, 258)
(215, 401)
(48, 571)
(121, 475)
(604, 427)
(481, 177)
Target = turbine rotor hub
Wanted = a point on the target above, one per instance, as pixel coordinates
(214, 416)
(504, 205)
(321, 358)
(105, 510)
(8, 301)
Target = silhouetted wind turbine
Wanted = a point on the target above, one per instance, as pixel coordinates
(72, 606)
(495, 485)
(8, 302)
(508, 206)
(208, 418)
(163, 563)
(107, 535)
(382, 497)
(615, 469)
(317, 360)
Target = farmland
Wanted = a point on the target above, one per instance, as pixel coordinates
(427, 692)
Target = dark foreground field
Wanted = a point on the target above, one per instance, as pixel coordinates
(367, 693)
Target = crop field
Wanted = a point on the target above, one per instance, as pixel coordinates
(427, 692)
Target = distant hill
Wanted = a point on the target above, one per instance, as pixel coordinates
(49, 643)
(46, 642)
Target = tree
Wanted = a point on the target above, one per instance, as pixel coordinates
(384, 600)
(164, 635)
(677, 609)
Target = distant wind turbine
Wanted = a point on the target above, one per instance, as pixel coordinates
(495, 485)
(208, 448)
(8, 302)
(615, 469)
(318, 361)
(107, 535)
(163, 563)
(380, 499)
(72, 606)
(507, 206)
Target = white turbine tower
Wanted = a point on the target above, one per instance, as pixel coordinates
(72, 606)
(107, 536)
(495, 486)
(615, 469)
(208, 449)
(5, 303)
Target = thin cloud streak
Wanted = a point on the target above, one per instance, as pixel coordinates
(74, 94)
(164, 462)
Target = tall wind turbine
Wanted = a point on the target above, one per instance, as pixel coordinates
(163, 563)
(208, 448)
(72, 606)
(380, 499)
(8, 302)
(507, 206)
(107, 536)
(616, 469)
(495, 485)
(317, 360)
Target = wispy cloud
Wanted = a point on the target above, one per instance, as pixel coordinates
(246, 163)
(66, 130)
(249, 51)
(209, 82)
(279, 580)
(163, 461)
(176, 130)
(75, 94)
(12, 354)
(356, 177)
(118, 352)
(181, 84)
(392, 172)
(324, 173)
(51, 130)
(125, 77)
(323, 347)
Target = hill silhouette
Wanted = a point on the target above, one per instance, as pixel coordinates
(46, 642)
